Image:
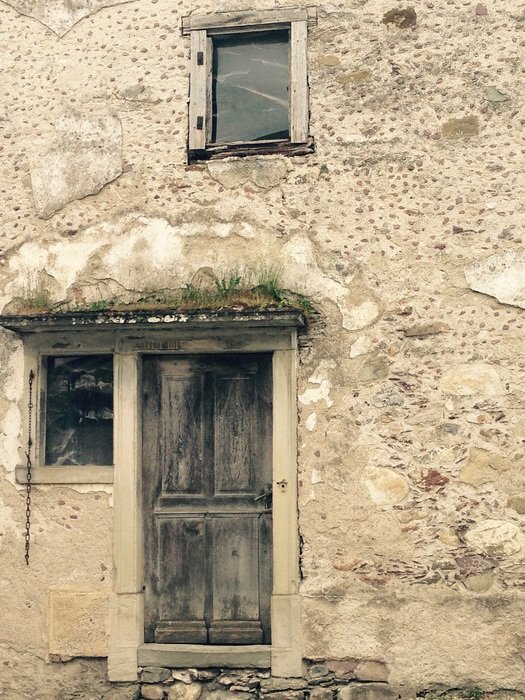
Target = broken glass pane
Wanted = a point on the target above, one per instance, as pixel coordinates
(251, 77)
(79, 410)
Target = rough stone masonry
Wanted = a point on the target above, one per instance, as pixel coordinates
(405, 231)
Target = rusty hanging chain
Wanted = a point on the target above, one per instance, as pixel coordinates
(29, 466)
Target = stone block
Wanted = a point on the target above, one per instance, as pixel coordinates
(78, 620)
(321, 694)
(517, 503)
(270, 685)
(184, 691)
(483, 467)
(318, 671)
(367, 691)
(226, 695)
(152, 692)
(342, 668)
(286, 695)
(155, 674)
(371, 671)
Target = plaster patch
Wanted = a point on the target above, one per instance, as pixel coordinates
(360, 316)
(155, 240)
(10, 429)
(85, 155)
(320, 393)
(74, 609)
(262, 173)
(311, 422)
(501, 276)
(361, 346)
(316, 477)
(61, 261)
(60, 15)
(7, 523)
(472, 379)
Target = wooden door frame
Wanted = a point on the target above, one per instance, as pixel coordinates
(126, 647)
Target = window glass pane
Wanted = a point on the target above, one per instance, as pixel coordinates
(251, 77)
(79, 410)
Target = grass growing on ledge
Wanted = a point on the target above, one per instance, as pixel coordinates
(235, 289)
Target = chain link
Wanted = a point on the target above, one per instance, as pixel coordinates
(29, 466)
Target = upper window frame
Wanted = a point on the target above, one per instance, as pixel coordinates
(201, 29)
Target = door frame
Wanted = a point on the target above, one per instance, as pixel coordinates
(126, 647)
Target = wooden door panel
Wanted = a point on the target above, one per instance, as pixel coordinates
(235, 568)
(235, 436)
(181, 567)
(182, 411)
(207, 535)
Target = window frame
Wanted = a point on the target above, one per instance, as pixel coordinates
(36, 356)
(201, 29)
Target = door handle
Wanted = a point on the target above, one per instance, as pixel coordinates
(266, 497)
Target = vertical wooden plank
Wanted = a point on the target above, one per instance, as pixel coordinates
(208, 64)
(298, 83)
(181, 580)
(182, 434)
(199, 90)
(235, 437)
(235, 568)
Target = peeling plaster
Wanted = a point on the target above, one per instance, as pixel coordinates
(501, 276)
(85, 154)
(7, 523)
(311, 422)
(322, 392)
(60, 15)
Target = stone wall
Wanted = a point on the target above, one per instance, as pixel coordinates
(404, 229)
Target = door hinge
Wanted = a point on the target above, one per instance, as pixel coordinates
(200, 58)
(200, 123)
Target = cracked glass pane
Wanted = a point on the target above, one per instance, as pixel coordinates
(251, 78)
(79, 410)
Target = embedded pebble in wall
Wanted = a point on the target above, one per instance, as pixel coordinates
(385, 486)
(496, 537)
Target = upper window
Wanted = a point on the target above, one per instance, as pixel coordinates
(248, 86)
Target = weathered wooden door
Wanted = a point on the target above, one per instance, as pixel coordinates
(207, 521)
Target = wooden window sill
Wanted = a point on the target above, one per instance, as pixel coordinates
(254, 148)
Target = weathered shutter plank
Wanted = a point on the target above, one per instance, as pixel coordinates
(299, 116)
(199, 89)
(248, 18)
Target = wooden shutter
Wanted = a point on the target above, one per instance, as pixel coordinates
(200, 90)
